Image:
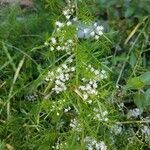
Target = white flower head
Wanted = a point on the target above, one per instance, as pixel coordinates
(69, 23)
(92, 33)
(85, 96)
(99, 28)
(96, 37)
(53, 40)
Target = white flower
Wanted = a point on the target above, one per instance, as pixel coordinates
(64, 66)
(58, 48)
(70, 60)
(92, 91)
(92, 69)
(92, 144)
(75, 19)
(46, 43)
(70, 41)
(117, 129)
(96, 72)
(91, 82)
(88, 87)
(89, 66)
(102, 146)
(47, 79)
(105, 119)
(73, 69)
(69, 23)
(61, 76)
(65, 12)
(94, 85)
(59, 24)
(134, 113)
(101, 116)
(75, 125)
(82, 87)
(103, 76)
(58, 82)
(95, 24)
(96, 37)
(85, 96)
(105, 113)
(53, 40)
(100, 33)
(67, 109)
(145, 130)
(59, 70)
(67, 76)
(89, 101)
(92, 33)
(86, 30)
(51, 48)
(103, 72)
(98, 28)
(68, 16)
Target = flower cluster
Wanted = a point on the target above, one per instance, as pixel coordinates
(90, 31)
(101, 116)
(31, 97)
(98, 31)
(67, 109)
(146, 132)
(90, 87)
(69, 10)
(61, 76)
(93, 31)
(75, 125)
(67, 46)
(134, 113)
(56, 107)
(58, 42)
(59, 145)
(116, 129)
(92, 144)
(99, 75)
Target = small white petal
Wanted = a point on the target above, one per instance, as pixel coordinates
(92, 33)
(53, 40)
(52, 48)
(85, 96)
(68, 16)
(46, 43)
(64, 66)
(96, 72)
(96, 37)
(69, 23)
(98, 28)
(100, 33)
(58, 48)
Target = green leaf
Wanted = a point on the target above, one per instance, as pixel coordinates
(130, 11)
(139, 100)
(147, 97)
(135, 83)
(142, 99)
(132, 60)
(145, 78)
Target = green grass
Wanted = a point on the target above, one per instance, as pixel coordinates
(34, 117)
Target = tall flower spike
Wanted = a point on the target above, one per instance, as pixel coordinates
(59, 43)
